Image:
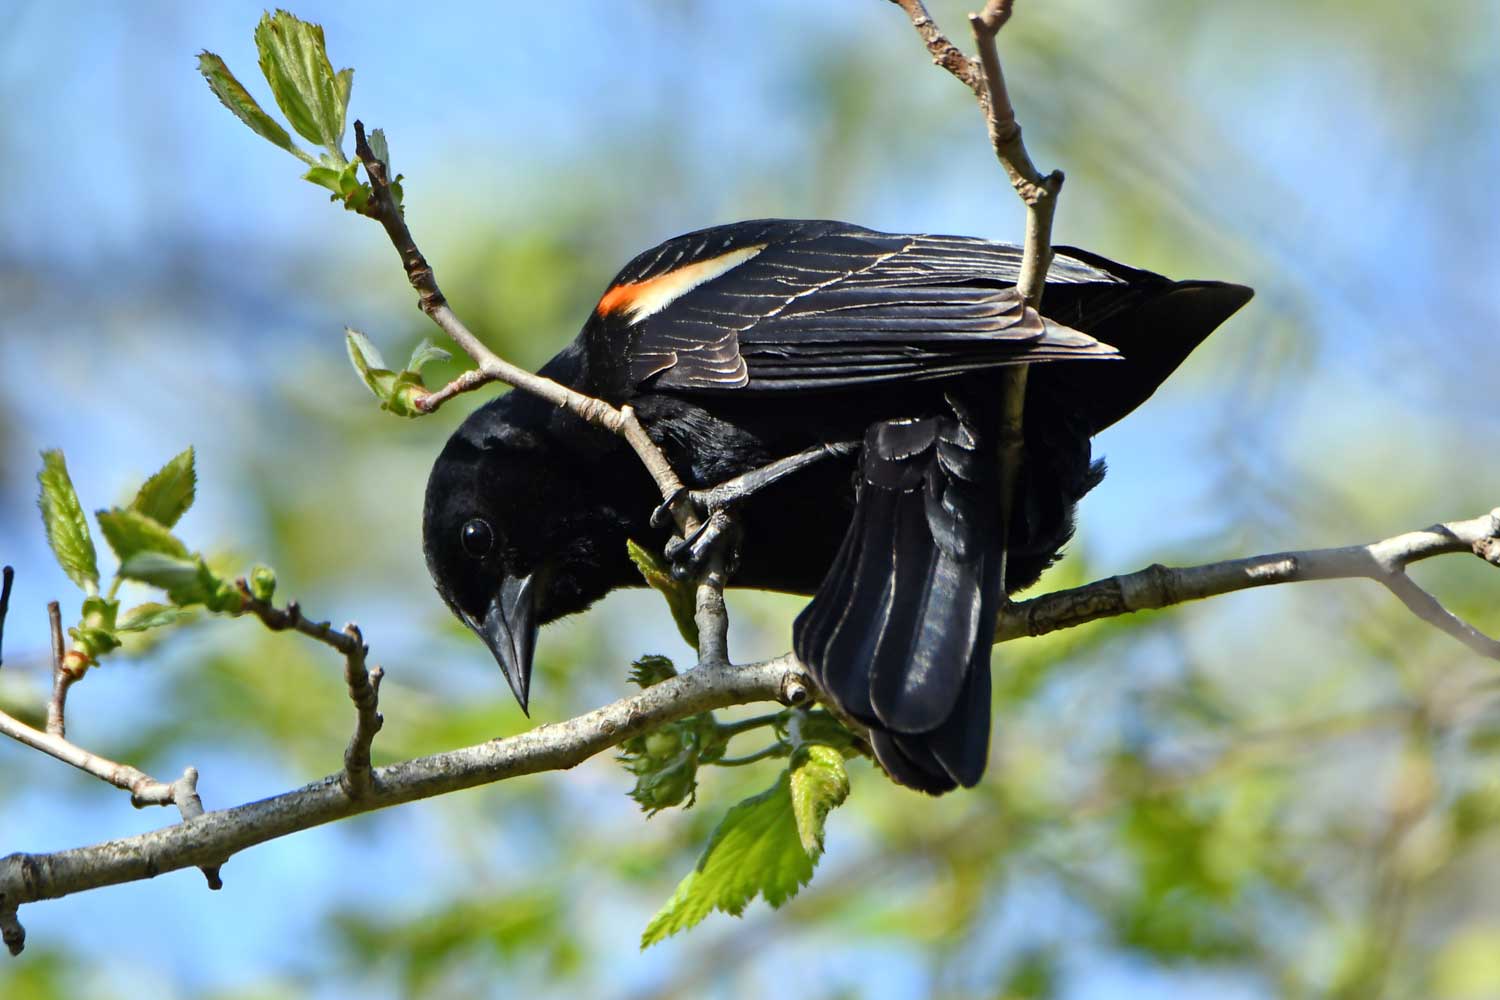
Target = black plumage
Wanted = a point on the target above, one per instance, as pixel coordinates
(744, 344)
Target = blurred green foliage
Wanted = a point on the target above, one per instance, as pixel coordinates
(1280, 794)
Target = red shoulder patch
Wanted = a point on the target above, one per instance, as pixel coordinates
(643, 298)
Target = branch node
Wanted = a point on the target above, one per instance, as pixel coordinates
(13, 932)
(795, 689)
(358, 779)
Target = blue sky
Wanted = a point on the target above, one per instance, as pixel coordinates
(1354, 195)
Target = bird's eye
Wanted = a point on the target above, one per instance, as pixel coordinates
(477, 537)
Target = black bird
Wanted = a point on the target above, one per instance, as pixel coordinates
(829, 394)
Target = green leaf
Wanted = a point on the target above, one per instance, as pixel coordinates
(233, 95)
(187, 581)
(129, 532)
(819, 784)
(681, 595)
(326, 177)
(149, 616)
(754, 851)
(425, 354)
(381, 149)
(67, 529)
(93, 642)
(295, 63)
(166, 496)
(369, 365)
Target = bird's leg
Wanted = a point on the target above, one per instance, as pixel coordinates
(714, 505)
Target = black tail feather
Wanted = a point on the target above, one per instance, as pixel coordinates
(899, 634)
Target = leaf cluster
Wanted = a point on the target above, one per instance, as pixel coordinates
(140, 535)
(314, 98)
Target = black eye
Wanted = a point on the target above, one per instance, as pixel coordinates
(477, 538)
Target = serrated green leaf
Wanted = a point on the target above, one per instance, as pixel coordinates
(67, 529)
(129, 532)
(754, 851)
(681, 595)
(295, 62)
(233, 95)
(166, 496)
(819, 784)
(151, 615)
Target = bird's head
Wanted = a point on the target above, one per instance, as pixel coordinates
(515, 534)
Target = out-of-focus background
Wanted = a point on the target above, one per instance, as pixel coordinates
(1292, 793)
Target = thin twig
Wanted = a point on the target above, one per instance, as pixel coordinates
(62, 676)
(382, 207)
(1039, 193)
(144, 790)
(7, 577)
(364, 691)
(774, 750)
(291, 618)
(467, 382)
(1160, 586)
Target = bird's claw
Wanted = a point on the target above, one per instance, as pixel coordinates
(718, 532)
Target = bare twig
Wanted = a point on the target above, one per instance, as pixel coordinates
(63, 676)
(364, 684)
(467, 382)
(7, 577)
(1160, 586)
(364, 691)
(291, 618)
(144, 790)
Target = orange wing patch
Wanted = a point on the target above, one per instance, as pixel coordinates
(643, 298)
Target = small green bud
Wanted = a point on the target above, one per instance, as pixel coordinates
(263, 583)
(651, 669)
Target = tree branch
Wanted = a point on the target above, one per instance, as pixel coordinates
(215, 836)
(1160, 586)
(382, 207)
(211, 838)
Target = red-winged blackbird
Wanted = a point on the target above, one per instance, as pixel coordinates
(840, 384)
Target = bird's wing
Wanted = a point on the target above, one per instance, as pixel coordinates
(782, 305)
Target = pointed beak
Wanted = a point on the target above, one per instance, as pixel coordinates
(509, 629)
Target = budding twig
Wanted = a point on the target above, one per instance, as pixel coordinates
(1039, 193)
(382, 207)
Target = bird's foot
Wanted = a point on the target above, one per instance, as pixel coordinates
(714, 506)
(718, 531)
